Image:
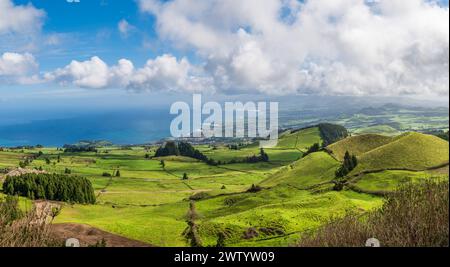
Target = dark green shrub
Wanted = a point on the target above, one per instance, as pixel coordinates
(254, 189)
(199, 196)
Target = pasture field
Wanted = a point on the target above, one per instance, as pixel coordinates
(149, 201)
(391, 180)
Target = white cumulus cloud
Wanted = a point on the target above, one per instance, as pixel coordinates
(386, 47)
(162, 73)
(92, 73)
(19, 18)
(18, 68)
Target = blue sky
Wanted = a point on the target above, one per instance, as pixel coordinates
(272, 47)
(89, 28)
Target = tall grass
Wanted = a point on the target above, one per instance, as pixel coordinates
(417, 215)
(20, 229)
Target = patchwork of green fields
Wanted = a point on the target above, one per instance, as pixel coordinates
(149, 202)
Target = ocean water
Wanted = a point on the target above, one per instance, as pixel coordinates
(58, 124)
(124, 127)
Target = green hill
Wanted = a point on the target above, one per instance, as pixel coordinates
(358, 145)
(412, 151)
(301, 139)
(313, 169)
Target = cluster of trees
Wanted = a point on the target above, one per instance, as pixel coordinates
(262, 157)
(181, 149)
(24, 163)
(440, 134)
(78, 148)
(187, 150)
(314, 148)
(332, 133)
(29, 159)
(26, 147)
(235, 146)
(350, 163)
(57, 187)
(168, 149)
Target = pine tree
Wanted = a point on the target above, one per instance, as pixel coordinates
(263, 155)
(355, 161)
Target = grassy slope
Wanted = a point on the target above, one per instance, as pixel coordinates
(299, 140)
(358, 144)
(413, 151)
(390, 180)
(282, 207)
(313, 169)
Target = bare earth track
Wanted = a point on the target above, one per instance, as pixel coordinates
(88, 235)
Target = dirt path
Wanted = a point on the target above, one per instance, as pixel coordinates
(88, 235)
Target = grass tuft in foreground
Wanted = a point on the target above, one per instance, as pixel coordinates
(416, 215)
(23, 229)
